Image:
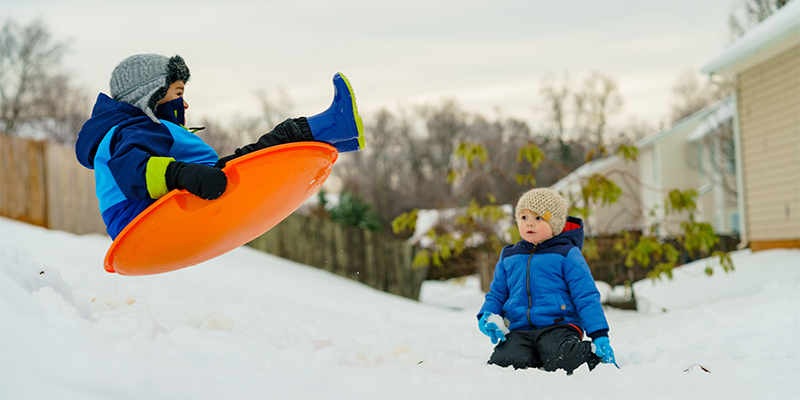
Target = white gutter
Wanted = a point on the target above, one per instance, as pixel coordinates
(772, 30)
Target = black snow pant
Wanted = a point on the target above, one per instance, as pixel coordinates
(550, 348)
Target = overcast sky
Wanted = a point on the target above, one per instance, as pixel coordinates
(486, 54)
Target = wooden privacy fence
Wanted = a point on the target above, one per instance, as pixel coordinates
(368, 257)
(42, 183)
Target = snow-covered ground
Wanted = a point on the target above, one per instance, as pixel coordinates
(249, 325)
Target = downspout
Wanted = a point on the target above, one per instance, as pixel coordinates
(737, 148)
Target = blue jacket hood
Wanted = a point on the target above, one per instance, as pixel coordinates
(571, 236)
(108, 113)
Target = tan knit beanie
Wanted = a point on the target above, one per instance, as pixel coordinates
(548, 204)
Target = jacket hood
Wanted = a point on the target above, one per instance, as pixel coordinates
(108, 113)
(572, 235)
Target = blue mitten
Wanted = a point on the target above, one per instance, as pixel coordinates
(490, 329)
(603, 349)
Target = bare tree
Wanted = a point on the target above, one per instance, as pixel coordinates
(749, 13)
(502, 139)
(446, 127)
(27, 57)
(556, 96)
(408, 134)
(580, 113)
(411, 153)
(276, 106)
(242, 130)
(722, 158)
(690, 95)
(631, 131)
(219, 137)
(382, 173)
(375, 174)
(595, 102)
(60, 111)
(417, 158)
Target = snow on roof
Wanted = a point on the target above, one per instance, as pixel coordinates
(650, 140)
(772, 30)
(584, 170)
(722, 113)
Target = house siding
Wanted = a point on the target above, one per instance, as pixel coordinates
(650, 192)
(677, 171)
(769, 123)
(666, 166)
(626, 213)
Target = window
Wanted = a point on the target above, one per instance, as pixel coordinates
(734, 217)
(713, 157)
(730, 155)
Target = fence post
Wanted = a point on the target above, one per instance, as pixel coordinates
(24, 188)
(367, 257)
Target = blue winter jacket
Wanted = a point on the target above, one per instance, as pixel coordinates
(536, 286)
(119, 141)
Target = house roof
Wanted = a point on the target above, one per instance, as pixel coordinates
(712, 117)
(650, 140)
(783, 24)
(583, 171)
(721, 113)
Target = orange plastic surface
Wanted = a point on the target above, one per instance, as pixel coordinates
(180, 230)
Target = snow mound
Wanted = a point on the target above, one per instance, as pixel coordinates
(691, 287)
(249, 325)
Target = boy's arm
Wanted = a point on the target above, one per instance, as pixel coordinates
(131, 151)
(584, 294)
(141, 168)
(200, 180)
(288, 131)
(498, 291)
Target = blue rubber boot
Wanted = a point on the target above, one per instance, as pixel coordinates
(340, 122)
(348, 145)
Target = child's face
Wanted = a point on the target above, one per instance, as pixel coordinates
(176, 90)
(533, 228)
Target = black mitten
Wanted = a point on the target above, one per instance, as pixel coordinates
(200, 180)
(289, 131)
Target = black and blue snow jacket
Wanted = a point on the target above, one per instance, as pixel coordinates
(536, 286)
(130, 153)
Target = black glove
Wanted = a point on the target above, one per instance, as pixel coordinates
(200, 180)
(289, 131)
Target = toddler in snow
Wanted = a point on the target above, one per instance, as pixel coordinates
(139, 148)
(543, 297)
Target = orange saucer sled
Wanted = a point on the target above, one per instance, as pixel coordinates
(180, 230)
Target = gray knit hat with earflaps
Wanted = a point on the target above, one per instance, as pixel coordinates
(142, 80)
(548, 204)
